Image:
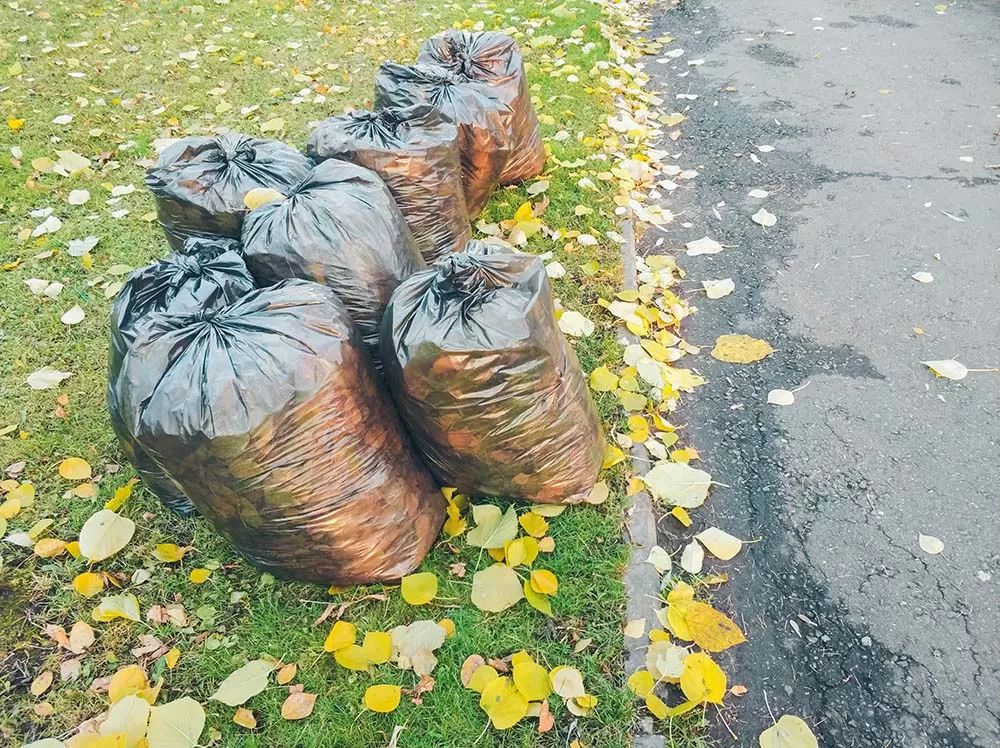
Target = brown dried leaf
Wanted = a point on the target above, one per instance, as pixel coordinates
(298, 706)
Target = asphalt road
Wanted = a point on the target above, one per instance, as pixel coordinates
(884, 118)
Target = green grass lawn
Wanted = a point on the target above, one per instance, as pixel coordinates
(129, 74)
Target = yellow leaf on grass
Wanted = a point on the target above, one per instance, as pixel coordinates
(49, 547)
(73, 549)
(496, 588)
(612, 456)
(41, 683)
(419, 589)
(127, 681)
(243, 683)
(448, 625)
(75, 468)
(84, 490)
(532, 680)
(122, 494)
(547, 544)
(788, 732)
(286, 673)
(88, 584)
(741, 349)
(176, 724)
(297, 706)
(244, 718)
(199, 575)
(104, 534)
(544, 582)
(343, 634)
(603, 380)
(534, 524)
(567, 682)
(537, 601)
(352, 657)
(522, 551)
(128, 717)
(168, 552)
(482, 677)
(702, 679)
(377, 646)
(711, 630)
(171, 658)
(382, 698)
(494, 529)
(455, 525)
(117, 606)
(503, 703)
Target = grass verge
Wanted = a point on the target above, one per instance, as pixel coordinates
(127, 75)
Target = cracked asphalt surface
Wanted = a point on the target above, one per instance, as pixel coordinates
(884, 117)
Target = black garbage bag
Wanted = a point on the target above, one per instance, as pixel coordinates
(199, 182)
(484, 380)
(415, 151)
(202, 280)
(481, 119)
(494, 59)
(339, 227)
(207, 247)
(270, 416)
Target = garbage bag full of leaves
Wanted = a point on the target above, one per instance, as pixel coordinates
(494, 59)
(415, 151)
(481, 119)
(339, 227)
(487, 385)
(201, 280)
(270, 416)
(199, 182)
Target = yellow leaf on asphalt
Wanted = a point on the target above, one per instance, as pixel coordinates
(656, 706)
(532, 680)
(419, 589)
(534, 524)
(342, 634)
(710, 629)
(641, 683)
(88, 584)
(702, 679)
(75, 468)
(382, 698)
(636, 628)
(947, 369)
(720, 543)
(678, 483)
(788, 732)
(680, 514)
(544, 582)
(377, 646)
(740, 349)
